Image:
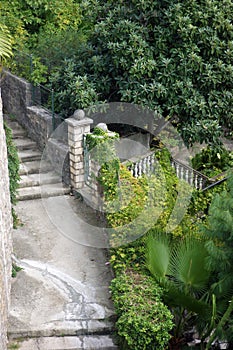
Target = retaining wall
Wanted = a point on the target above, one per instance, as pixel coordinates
(5, 237)
(36, 120)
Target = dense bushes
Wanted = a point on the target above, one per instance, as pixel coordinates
(129, 240)
(211, 161)
(174, 57)
(144, 322)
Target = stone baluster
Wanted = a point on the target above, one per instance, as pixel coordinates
(187, 175)
(200, 182)
(145, 169)
(181, 173)
(135, 170)
(195, 181)
(178, 170)
(140, 168)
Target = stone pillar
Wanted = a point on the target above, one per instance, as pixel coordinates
(5, 237)
(78, 126)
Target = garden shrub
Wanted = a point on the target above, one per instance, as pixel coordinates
(72, 91)
(139, 203)
(144, 322)
(213, 161)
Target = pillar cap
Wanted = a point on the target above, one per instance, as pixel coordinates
(76, 123)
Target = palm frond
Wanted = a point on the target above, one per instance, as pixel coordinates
(188, 265)
(175, 297)
(5, 44)
(158, 255)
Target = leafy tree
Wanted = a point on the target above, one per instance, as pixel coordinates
(172, 56)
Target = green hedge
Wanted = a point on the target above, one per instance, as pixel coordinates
(144, 322)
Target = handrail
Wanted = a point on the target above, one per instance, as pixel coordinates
(215, 184)
(191, 169)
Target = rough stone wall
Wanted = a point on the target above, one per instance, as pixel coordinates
(16, 96)
(17, 101)
(38, 124)
(58, 154)
(37, 121)
(5, 237)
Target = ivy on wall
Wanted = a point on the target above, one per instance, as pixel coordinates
(13, 168)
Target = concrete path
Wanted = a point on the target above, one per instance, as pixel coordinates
(62, 289)
(60, 299)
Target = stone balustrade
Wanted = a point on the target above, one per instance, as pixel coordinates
(143, 165)
(190, 175)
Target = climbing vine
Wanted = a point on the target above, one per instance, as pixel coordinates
(13, 168)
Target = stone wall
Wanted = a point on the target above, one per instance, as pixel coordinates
(5, 237)
(36, 120)
(58, 154)
(16, 96)
(17, 101)
(38, 123)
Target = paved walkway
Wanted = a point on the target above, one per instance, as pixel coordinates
(63, 287)
(60, 299)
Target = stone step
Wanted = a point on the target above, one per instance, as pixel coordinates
(18, 134)
(25, 144)
(34, 167)
(28, 155)
(104, 342)
(32, 180)
(17, 130)
(35, 192)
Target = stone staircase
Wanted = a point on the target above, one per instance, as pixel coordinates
(37, 178)
(88, 342)
(62, 311)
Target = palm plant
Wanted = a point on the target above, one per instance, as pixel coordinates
(5, 43)
(220, 245)
(180, 270)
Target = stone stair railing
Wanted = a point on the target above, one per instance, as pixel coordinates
(145, 165)
(190, 175)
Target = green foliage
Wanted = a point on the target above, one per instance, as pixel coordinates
(34, 16)
(72, 91)
(101, 145)
(174, 57)
(13, 168)
(15, 269)
(201, 200)
(54, 48)
(144, 322)
(128, 201)
(219, 227)
(5, 44)
(131, 256)
(180, 270)
(220, 234)
(212, 161)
